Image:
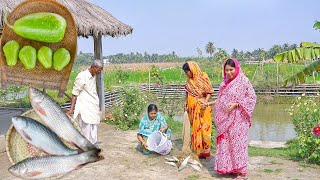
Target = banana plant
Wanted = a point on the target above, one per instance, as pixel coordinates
(299, 77)
(306, 51)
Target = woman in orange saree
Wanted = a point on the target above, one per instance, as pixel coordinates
(198, 89)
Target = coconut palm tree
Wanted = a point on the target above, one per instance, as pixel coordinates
(210, 49)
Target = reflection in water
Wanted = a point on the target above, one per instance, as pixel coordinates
(270, 122)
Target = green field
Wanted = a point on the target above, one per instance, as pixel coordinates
(258, 75)
(265, 76)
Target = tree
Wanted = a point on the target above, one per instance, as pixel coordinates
(199, 53)
(221, 55)
(210, 49)
(241, 56)
(248, 56)
(274, 50)
(235, 53)
(285, 47)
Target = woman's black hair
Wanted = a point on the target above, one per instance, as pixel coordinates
(152, 107)
(186, 67)
(230, 62)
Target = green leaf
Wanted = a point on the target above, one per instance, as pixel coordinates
(290, 57)
(316, 25)
(293, 54)
(317, 52)
(309, 44)
(278, 57)
(313, 55)
(299, 53)
(299, 77)
(307, 53)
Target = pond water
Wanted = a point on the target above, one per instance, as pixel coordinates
(5, 117)
(270, 122)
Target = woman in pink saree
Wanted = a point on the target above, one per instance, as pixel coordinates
(233, 110)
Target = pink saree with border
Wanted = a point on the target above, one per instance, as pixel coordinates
(233, 127)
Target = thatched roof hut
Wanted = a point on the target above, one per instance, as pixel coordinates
(91, 20)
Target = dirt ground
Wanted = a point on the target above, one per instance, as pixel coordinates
(124, 161)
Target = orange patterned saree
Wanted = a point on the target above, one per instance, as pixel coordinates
(198, 88)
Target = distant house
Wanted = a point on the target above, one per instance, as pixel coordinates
(106, 61)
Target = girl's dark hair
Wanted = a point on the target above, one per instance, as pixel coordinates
(230, 62)
(186, 67)
(152, 107)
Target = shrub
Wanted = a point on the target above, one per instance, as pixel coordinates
(126, 115)
(305, 115)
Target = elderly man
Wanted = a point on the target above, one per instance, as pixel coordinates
(85, 101)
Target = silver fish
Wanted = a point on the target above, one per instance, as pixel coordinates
(49, 166)
(173, 159)
(171, 164)
(195, 162)
(184, 163)
(51, 114)
(195, 167)
(40, 136)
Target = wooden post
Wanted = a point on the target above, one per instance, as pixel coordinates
(277, 78)
(97, 40)
(149, 78)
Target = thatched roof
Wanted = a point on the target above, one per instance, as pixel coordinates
(90, 18)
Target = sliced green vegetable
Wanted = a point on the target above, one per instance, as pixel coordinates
(11, 52)
(28, 57)
(61, 59)
(42, 26)
(45, 56)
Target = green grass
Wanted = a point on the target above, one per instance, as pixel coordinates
(192, 177)
(275, 162)
(277, 171)
(268, 170)
(175, 126)
(272, 152)
(268, 152)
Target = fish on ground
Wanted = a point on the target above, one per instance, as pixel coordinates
(40, 136)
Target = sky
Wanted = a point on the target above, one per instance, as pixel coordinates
(164, 26)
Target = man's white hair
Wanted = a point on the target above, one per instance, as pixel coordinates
(97, 63)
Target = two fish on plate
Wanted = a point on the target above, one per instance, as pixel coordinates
(60, 159)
